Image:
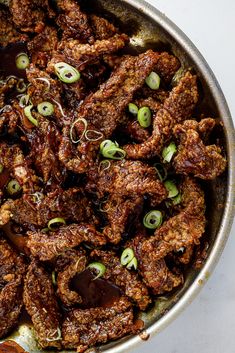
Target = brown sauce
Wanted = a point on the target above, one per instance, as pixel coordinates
(11, 347)
(95, 293)
(8, 55)
(4, 178)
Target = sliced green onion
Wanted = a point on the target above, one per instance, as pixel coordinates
(133, 109)
(22, 61)
(13, 187)
(99, 135)
(28, 114)
(24, 100)
(133, 263)
(168, 152)
(171, 188)
(82, 120)
(21, 86)
(114, 153)
(45, 108)
(55, 222)
(161, 171)
(177, 200)
(153, 80)
(44, 79)
(144, 117)
(108, 144)
(99, 267)
(104, 165)
(67, 73)
(126, 257)
(153, 219)
(45, 230)
(1, 168)
(53, 277)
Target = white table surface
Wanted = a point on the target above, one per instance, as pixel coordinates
(208, 324)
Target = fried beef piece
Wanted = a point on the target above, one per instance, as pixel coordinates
(12, 158)
(74, 22)
(104, 109)
(102, 28)
(12, 269)
(194, 157)
(129, 178)
(167, 66)
(38, 209)
(86, 328)
(133, 130)
(47, 246)
(41, 305)
(120, 211)
(8, 33)
(79, 54)
(5, 212)
(178, 107)
(30, 15)
(183, 230)
(126, 280)
(155, 273)
(68, 265)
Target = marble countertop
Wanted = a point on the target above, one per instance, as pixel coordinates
(208, 324)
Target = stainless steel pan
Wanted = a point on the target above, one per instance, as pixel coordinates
(151, 29)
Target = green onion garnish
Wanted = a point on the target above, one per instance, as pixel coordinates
(168, 152)
(28, 114)
(171, 188)
(99, 268)
(153, 80)
(24, 100)
(111, 150)
(67, 73)
(127, 255)
(13, 187)
(84, 122)
(161, 171)
(1, 168)
(21, 86)
(153, 219)
(22, 61)
(177, 200)
(133, 109)
(45, 108)
(55, 222)
(144, 117)
(133, 263)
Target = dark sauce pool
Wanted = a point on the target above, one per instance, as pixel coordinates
(95, 293)
(8, 56)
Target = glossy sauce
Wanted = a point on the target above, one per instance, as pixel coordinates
(8, 56)
(11, 347)
(95, 293)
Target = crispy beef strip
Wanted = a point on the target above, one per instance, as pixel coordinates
(178, 107)
(74, 22)
(67, 266)
(86, 328)
(194, 157)
(47, 246)
(184, 229)
(30, 15)
(128, 281)
(102, 28)
(40, 303)
(104, 109)
(156, 275)
(12, 270)
(167, 66)
(8, 33)
(133, 130)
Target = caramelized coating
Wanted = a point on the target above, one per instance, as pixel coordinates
(184, 229)
(47, 246)
(167, 66)
(133, 130)
(178, 107)
(127, 280)
(102, 28)
(194, 157)
(71, 263)
(12, 269)
(40, 303)
(85, 328)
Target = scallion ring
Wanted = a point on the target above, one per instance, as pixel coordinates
(144, 117)
(177, 199)
(133, 263)
(168, 152)
(171, 188)
(67, 73)
(161, 171)
(153, 219)
(114, 153)
(28, 114)
(99, 135)
(99, 268)
(55, 222)
(104, 165)
(24, 100)
(127, 255)
(13, 187)
(44, 79)
(45, 108)
(107, 144)
(22, 61)
(82, 120)
(133, 109)
(1, 168)
(153, 81)
(21, 86)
